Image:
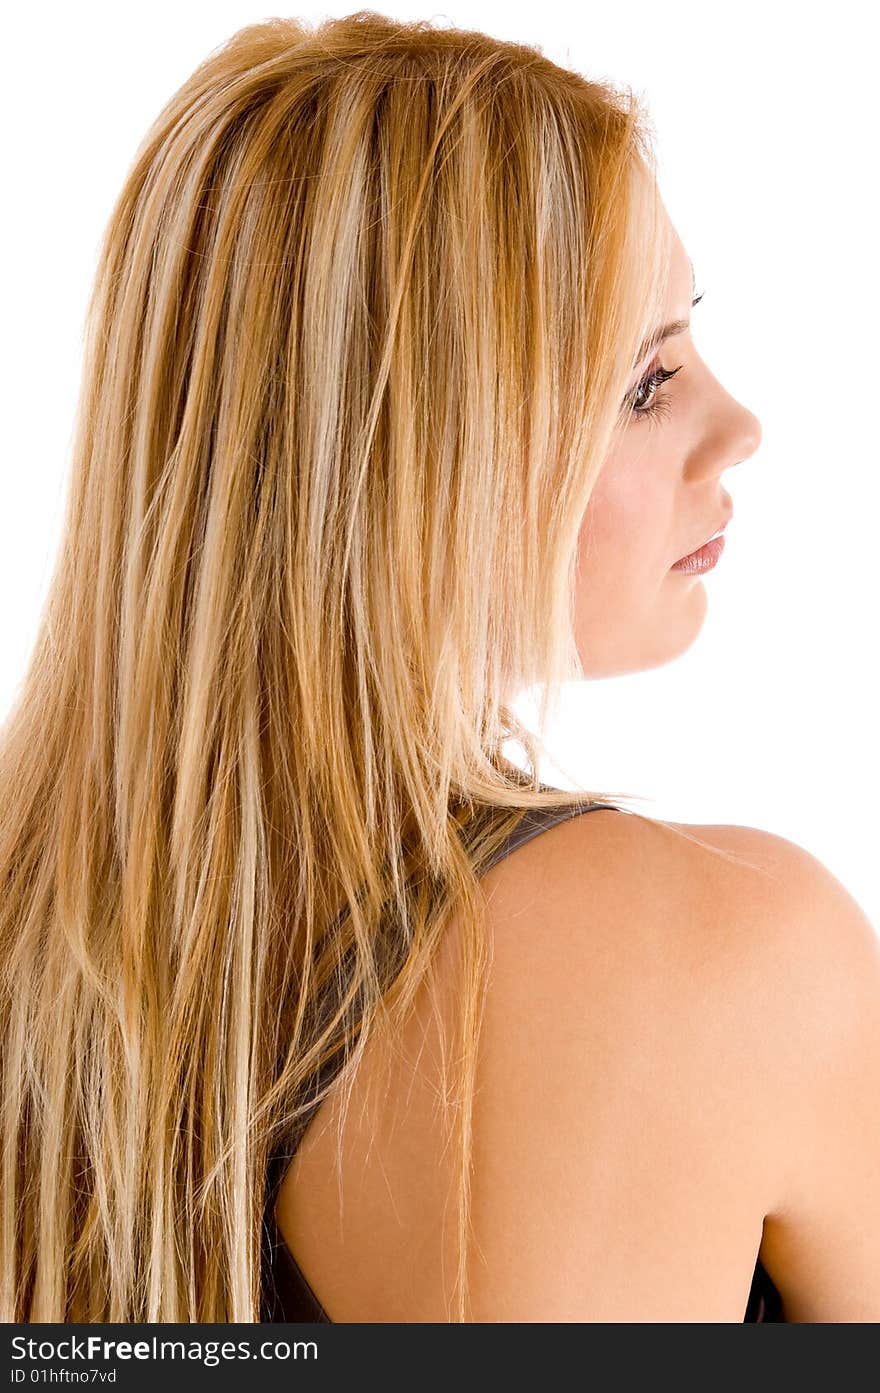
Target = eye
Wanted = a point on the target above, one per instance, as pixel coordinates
(656, 406)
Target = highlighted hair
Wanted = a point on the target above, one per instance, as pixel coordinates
(365, 313)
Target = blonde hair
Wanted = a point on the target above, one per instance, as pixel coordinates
(364, 316)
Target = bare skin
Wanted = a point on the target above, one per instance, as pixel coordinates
(659, 496)
(680, 1065)
(680, 1058)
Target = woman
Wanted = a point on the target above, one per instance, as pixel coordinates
(300, 1014)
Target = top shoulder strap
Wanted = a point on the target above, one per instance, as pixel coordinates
(534, 821)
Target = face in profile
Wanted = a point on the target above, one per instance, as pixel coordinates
(659, 496)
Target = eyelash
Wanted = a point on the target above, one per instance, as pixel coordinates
(659, 406)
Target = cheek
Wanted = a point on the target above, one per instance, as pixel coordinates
(620, 531)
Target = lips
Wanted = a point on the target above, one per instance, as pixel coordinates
(718, 530)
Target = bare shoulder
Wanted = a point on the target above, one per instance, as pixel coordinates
(675, 1010)
(722, 900)
(805, 936)
(743, 890)
(758, 928)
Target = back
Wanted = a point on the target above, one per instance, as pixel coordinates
(623, 1163)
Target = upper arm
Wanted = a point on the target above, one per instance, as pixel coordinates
(821, 960)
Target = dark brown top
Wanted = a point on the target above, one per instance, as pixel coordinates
(287, 1296)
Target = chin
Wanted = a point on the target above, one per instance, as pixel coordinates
(666, 634)
(686, 625)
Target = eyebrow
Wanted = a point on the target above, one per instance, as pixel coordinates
(668, 331)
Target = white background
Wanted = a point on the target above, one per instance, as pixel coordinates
(767, 137)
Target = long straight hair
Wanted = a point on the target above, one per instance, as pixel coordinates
(363, 320)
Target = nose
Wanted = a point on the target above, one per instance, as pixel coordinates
(749, 433)
(734, 434)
